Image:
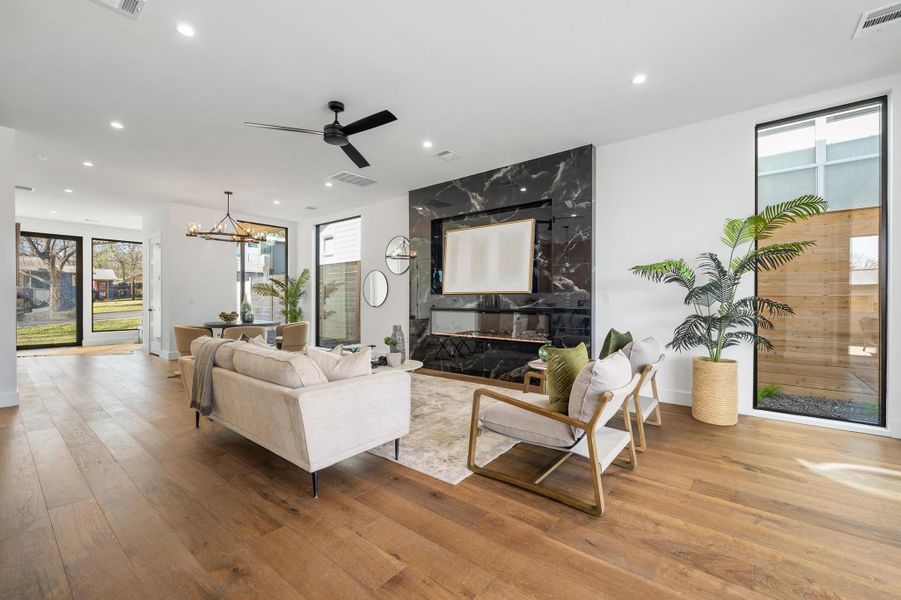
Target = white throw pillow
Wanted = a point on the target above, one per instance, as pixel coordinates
(337, 366)
(282, 368)
(642, 352)
(596, 378)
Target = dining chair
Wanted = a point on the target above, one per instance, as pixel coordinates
(645, 406)
(525, 416)
(184, 335)
(251, 331)
(293, 336)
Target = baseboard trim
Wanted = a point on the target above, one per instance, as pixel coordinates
(8, 399)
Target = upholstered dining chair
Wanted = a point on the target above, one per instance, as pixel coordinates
(184, 335)
(251, 331)
(525, 416)
(293, 337)
(645, 406)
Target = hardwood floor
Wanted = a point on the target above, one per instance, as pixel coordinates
(108, 491)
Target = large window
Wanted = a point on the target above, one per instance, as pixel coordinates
(338, 283)
(48, 291)
(116, 285)
(261, 263)
(829, 358)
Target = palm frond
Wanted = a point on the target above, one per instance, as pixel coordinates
(770, 257)
(778, 215)
(760, 305)
(737, 232)
(667, 271)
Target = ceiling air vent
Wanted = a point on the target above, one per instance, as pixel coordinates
(352, 178)
(130, 8)
(25, 188)
(874, 20)
(447, 155)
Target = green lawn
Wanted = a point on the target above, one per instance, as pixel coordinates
(37, 335)
(117, 306)
(117, 324)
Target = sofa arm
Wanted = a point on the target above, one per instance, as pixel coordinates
(343, 418)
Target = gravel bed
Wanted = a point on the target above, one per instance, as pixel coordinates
(861, 412)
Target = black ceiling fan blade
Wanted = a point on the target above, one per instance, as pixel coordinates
(355, 155)
(370, 122)
(282, 128)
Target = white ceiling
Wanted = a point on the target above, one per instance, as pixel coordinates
(498, 82)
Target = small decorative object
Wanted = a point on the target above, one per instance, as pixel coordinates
(719, 321)
(246, 311)
(227, 229)
(398, 335)
(393, 357)
(228, 317)
(289, 293)
(542, 351)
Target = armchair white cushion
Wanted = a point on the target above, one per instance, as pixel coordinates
(642, 352)
(527, 426)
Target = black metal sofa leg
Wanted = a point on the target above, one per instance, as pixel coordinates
(197, 419)
(315, 484)
(396, 448)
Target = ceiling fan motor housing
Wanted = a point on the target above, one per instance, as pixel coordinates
(334, 134)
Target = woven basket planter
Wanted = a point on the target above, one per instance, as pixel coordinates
(714, 391)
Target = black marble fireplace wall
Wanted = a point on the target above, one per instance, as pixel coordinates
(557, 191)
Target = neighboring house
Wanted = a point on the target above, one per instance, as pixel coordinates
(34, 282)
(102, 288)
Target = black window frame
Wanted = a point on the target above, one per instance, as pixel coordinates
(318, 279)
(882, 101)
(79, 289)
(93, 239)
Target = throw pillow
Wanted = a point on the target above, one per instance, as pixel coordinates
(613, 342)
(642, 352)
(563, 366)
(258, 340)
(597, 377)
(337, 366)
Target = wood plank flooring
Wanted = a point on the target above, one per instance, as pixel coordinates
(108, 491)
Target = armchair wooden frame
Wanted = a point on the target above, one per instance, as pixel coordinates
(540, 376)
(589, 431)
(648, 372)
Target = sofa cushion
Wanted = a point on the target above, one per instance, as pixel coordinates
(275, 366)
(597, 377)
(527, 426)
(337, 366)
(642, 352)
(563, 366)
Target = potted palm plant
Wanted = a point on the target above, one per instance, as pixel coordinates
(718, 320)
(289, 293)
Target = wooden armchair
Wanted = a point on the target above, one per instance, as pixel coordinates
(644, 406)
(530, 420)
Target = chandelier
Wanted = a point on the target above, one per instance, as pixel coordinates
(227, 229)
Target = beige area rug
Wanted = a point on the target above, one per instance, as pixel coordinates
(109, 350)
(438, 441)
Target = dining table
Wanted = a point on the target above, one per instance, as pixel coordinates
(223, 325)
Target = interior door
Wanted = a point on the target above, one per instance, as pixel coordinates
(48, 291)
(155, 320)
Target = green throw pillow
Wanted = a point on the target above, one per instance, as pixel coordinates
(614, 342)
(563, 366)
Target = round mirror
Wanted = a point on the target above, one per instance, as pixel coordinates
(375, 288)
(398, 255)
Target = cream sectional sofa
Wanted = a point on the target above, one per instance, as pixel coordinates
(281, 404)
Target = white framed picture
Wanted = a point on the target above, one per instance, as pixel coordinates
(490, 259)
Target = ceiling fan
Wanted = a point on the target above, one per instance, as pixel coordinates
(336, 133)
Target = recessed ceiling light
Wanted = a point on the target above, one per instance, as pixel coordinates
(68, 190)
(52, 212)
(185, 29)
(427, 144)
(639, 79)
(88, 163)
(522, 189)
(574, 215)
(116, 125)
(41, 156)
(276, 202)
(329, 184)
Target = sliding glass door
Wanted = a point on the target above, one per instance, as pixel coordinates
(829, 358)
(48, 291)
(338, 283)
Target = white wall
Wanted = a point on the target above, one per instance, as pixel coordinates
(380, 222)
(667, 195)
(198, 276)
(87, 232)
(8, 394)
